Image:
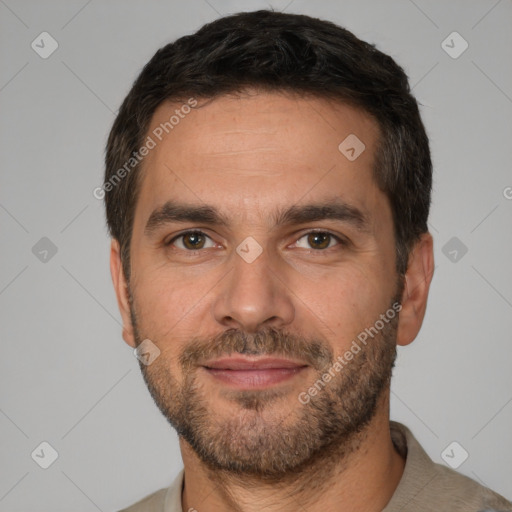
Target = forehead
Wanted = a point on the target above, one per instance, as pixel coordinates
(257, 150)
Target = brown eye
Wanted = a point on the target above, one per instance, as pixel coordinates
(191, 241)
(318, 240)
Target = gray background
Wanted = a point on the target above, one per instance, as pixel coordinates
(66, 375)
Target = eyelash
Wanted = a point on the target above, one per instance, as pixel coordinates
(341, 241)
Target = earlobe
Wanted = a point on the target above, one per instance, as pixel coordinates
(122, 294)
(416, 287)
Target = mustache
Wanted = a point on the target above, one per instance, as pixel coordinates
(266, 342)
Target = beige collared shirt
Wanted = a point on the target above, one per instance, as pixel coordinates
(424, 487)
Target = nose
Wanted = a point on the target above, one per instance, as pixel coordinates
(253, 296)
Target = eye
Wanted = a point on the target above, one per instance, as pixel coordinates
(191, 241)
(318, 240)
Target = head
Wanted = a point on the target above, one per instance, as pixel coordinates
(267, 190)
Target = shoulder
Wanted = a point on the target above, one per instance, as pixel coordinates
(164, 500)
(463, 493)
(151, 503)
(427, 486)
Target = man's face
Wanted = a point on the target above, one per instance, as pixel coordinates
(254, 282)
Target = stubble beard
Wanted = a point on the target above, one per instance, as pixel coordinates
(255, 440)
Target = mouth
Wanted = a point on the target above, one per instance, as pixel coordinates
(253, 373)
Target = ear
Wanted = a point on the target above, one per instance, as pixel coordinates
(419, 274)
(121, 289)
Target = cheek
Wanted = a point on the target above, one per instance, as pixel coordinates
(172, 302)
(160, 302)
(341, 304)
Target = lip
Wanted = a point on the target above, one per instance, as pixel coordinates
(251, 373)
(244, 363)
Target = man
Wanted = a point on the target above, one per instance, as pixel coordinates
(267, 190)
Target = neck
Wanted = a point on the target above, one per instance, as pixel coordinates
(360, 474)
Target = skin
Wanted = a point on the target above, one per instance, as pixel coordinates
(247, 156)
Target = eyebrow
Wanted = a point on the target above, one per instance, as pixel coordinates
(173, 211)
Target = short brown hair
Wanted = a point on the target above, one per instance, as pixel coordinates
(274, 51)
